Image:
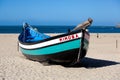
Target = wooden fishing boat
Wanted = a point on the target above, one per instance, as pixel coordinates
(68, 47)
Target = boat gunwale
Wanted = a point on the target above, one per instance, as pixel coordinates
(51, 38)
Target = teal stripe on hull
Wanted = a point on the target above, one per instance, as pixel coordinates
(54, 49)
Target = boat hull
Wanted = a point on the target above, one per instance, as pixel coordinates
(65, 50)
(65, 56)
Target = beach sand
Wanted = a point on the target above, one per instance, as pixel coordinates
(102, 62)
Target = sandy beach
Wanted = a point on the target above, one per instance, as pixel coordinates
(102, 62)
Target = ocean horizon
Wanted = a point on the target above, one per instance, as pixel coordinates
(59, 29)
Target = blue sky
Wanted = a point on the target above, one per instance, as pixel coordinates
(59, 12)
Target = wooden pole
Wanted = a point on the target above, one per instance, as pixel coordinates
(116, 43)
(17, 46)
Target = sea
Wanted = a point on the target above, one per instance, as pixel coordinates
(59, 29)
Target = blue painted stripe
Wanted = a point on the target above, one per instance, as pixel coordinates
(54, 49)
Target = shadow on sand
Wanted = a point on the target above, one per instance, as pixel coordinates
(90, 63)
(95, 63)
